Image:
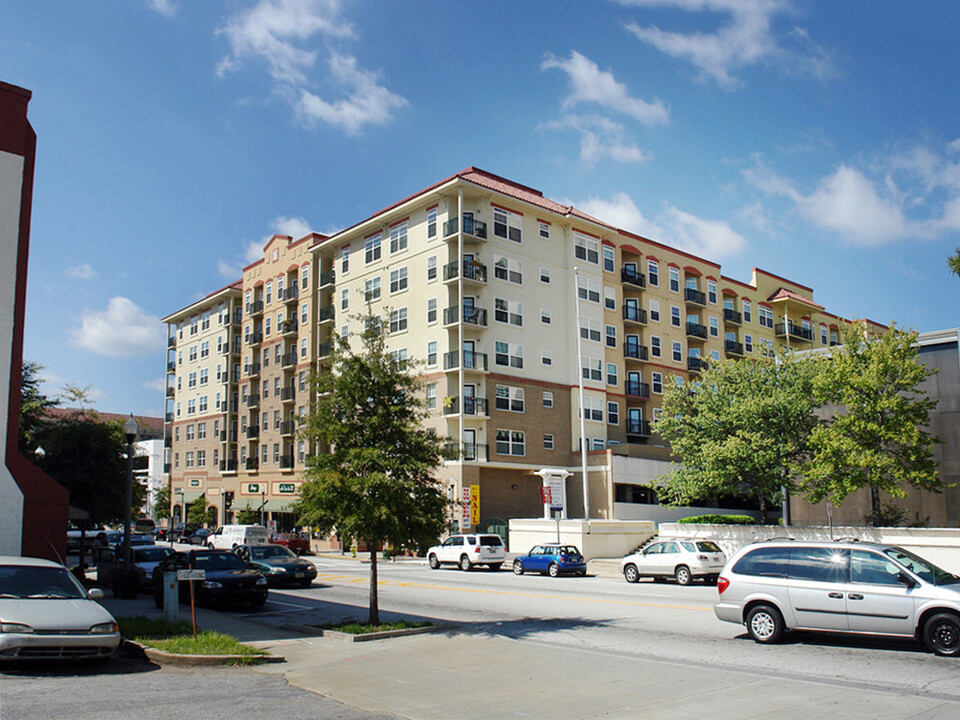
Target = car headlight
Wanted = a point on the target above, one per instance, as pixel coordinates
(311, 570)
(261, 581)
(104, 628)
(276, 570)
(15, 628)
(211, 585)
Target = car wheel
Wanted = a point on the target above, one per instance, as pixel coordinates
(553, 570)
(210, 546)
(765, 623)
(306, 583)
(631, 574)
(434, 562)
(495, 566)
(582, 573)
(683, 576)
(465, 563)
(518, 567)
(260, 602)
(941, 633)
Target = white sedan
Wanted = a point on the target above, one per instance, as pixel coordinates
(683, 560)
(45, 613)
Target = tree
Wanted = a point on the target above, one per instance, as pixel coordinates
(33, 408)
(953, 263)
(375, 484)
(161, 502)
(741, 431)
(199, 513)
(247, 516)
(877, 436)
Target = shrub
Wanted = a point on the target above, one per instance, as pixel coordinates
(719, 520)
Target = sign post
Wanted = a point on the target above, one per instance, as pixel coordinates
(190, 576)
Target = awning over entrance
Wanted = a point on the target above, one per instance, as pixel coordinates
(271, 506)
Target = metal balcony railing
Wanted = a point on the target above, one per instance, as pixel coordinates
(632, 276)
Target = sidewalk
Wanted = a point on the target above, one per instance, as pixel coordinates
(470, 675)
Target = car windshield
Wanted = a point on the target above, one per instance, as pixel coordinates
(263, 552)
(151, 554)
(218, 561)
(491, 540)
(924, 568)
(24, 581)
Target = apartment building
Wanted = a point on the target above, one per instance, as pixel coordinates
(509, 300)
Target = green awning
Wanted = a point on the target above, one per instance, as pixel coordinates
(271, 506)
(188, 496)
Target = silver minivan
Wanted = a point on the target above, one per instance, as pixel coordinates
(845, 586)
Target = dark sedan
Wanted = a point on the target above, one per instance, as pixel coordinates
(228, 578)
(553, 559)
(278, 564)
(145, 559)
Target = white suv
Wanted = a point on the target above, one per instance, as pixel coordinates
(467, 551)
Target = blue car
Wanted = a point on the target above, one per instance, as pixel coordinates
(554, 560)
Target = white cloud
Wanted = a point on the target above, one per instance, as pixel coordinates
(159, 385)
(164, 7)
(294, 227)
(746, 40)
(80, 272)
(590, 84)
(229, 271)
(710, 239)
(601, 138)
(122, 330)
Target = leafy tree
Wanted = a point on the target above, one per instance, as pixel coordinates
(741, 431)
(33, 408)
(161, 502)
(877, 438)
(248, 516)
(953, 263)
(198, 512)
(375, 484)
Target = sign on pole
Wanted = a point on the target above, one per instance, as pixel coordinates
(465, 515)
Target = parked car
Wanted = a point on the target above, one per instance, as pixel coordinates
(73, 537)
(145, 559)
(200, 536)
(684, 560)
(228, 537)
(552, 559)
(278, 564)
(181, 530)
(847, 586)
(467, 551)
(113, 540)
(47, 614)
(298, 543)
(228, 578)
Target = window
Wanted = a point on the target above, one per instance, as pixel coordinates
(204, 376)
(654, 306)
(506, 224)
(398, 320)
(823, 334)
(746, 311)
(432, 396)
(714, 327)
(304, 277)
(508, 354)
(611, 336)
(608, 258)
(344, 259)
(748, 343)
(589, 289)
(675, 316)
(677, 351)
(193, 326)
(593, 409)
(545, 317)
(613, 413)
(431, 268)
(653, 273)
(766, 316)
(193, 353)
(432, 310)
(398, 237)
(545, 275)
(371, 248)
(189, 432)
(266, 326)
(612, 374)
(304, 314)
(610, 298)
(371, 290)
(546, 357)
(192, 380)
(592, 369)
(674, 279)
(508, 269)
(188, 461)
(656, 382)
(590, 329)
(276, 419)
(268, 297)
(655, 349)
(303, 347)
(431, 222)
(548, 441)
(509, 398)
(715, 355)
(544, 228)
(191, 406)
(547, 399)
(398, 280)
(586, 248)
(508, 311)
(712, 291)
(205, 348)
(511, 442)
(432, 353)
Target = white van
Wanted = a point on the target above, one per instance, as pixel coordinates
(227, 537)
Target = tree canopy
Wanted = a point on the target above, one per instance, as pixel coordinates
(953, 263)
(33, 408)
(375, 484)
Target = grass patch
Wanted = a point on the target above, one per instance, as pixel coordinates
(177, 637)
(140, 626)
(354, 627)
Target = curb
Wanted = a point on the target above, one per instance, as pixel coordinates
(364, 637)
(162, 657)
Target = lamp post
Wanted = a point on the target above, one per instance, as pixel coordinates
(176, 491)
(130, 430)
(583, 427)
(263, 501)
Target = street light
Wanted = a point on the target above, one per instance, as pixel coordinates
(263, 501)
(583, 427)
(130, 430)
(179, 504)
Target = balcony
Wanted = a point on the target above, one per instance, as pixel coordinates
(252, 401)
(288, 359)
(235, 376)
(327, 314)
(168, 442)
(168, 417)
(251, 369)
(255, 308)
(255, 338)
(288, 427)
(289, 327)
(476, 406)
(636, 389)
(732, 347)
(696, 331)
(252, 463)
(252, 432)
(638, 428)
(472, 271)
(635, 351)
(167, 468)
(471, 361)
(286, 462)
(796, 332)
(473, 230)
(695, 364)
(291, 294)
(171, 368)
(470, 452)
(222, 435)
(171, 392)
(327, 278)
(631, 276)
(732, 317)
(171, 342)
(228, 466)
(288, 394)
(634, 314)
(325, 349)
(692, 296)
(471, 316)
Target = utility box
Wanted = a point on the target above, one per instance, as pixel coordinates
(171, 597)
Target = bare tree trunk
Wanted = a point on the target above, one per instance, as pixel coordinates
(763, 508)
(374, 616)
(875, 506)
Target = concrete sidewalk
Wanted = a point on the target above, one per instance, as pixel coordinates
(470, 674)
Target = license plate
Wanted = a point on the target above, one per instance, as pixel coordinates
(298, 575)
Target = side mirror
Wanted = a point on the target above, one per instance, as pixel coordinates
(905, 579)
(95, 593)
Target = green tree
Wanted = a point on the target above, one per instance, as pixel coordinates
(198, 512)
(33, 408)
(375, 483)
(741, 431)
(877, 438)
(161, 502)
(248, 516)
(953, 263)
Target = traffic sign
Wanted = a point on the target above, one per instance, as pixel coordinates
(191, 574)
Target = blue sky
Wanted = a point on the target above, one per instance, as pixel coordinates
(817, 140)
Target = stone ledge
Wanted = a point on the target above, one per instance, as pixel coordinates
(364, 637)
(162, 657)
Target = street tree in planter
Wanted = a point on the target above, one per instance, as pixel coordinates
(742, 430)
(375, 483)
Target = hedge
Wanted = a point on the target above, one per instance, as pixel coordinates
(719, 520)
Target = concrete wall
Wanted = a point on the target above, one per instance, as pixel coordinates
(596, 539)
